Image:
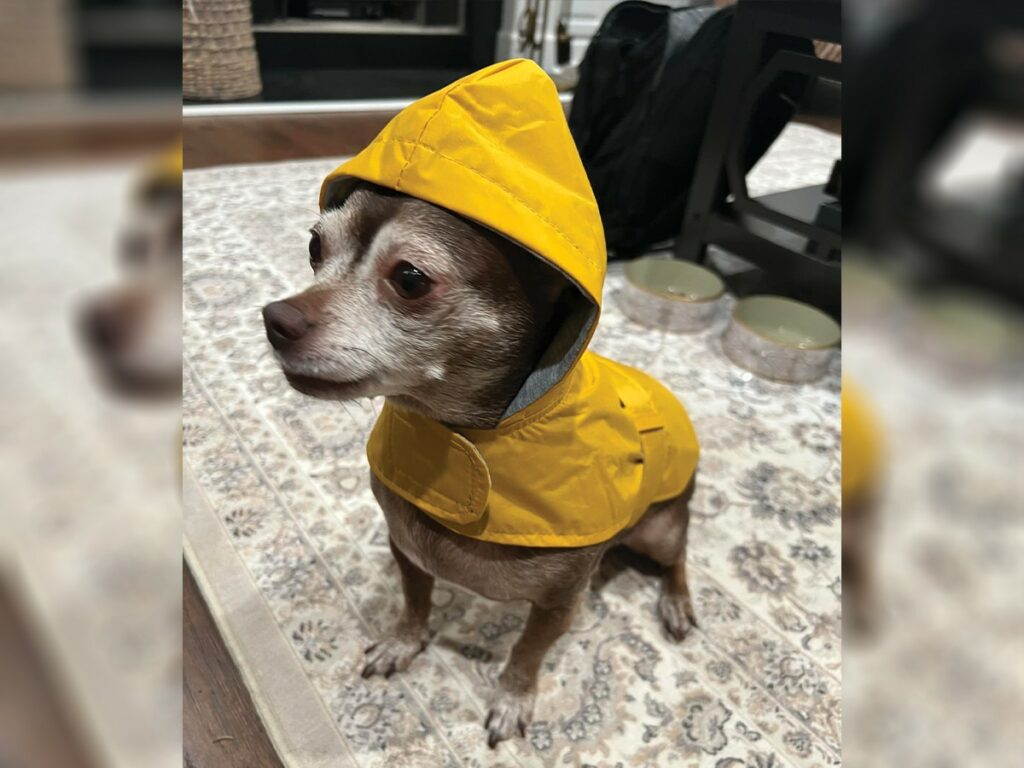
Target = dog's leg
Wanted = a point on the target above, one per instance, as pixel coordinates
(661, 536)
(859, 590)
(512, 704)
(674, 605)
(395, 652)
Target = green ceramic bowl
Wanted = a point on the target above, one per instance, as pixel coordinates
(780, 338)
(786, 322)
(670, 294)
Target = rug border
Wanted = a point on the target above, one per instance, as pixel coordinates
(299, 728)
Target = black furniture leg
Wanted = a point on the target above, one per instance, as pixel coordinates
(741, 64)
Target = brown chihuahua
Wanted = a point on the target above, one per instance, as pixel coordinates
(132, 330)
(445, 318)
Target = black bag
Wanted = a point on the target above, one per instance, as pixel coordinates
(639, 111)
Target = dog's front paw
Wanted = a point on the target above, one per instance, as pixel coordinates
(392, 654)
(508, 716)
(676, 615)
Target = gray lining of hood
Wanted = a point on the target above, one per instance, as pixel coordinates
(562, 353)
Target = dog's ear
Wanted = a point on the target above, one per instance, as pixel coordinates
(549, 284)
(542, 284)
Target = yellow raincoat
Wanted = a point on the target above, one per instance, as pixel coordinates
(861, 445)
(587, 444)
(165, 170)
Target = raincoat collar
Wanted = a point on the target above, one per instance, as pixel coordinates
(572, 469)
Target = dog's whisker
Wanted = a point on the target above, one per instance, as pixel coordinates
(347, 411)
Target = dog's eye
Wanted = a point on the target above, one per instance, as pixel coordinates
(314, 251)
(409, 282)
(134, 250)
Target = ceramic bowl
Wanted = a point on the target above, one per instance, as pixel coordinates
(670, 294)
(781, 339)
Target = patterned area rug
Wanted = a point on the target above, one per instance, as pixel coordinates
(291, 550)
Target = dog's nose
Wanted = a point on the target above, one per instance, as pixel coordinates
(102, 327)
(285, 323)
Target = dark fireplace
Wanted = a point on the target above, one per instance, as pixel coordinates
(370, 49)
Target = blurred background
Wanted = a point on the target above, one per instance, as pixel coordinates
(87, 76)
(90, 273)
(933, 357)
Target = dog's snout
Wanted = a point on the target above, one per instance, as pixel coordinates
(102, 326)
(285, 323)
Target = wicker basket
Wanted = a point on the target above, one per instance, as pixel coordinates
(218, 57)
(35, 45)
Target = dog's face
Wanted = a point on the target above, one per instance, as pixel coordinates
(133, 329)
(413, 303)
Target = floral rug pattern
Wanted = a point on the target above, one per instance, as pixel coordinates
(757, 685)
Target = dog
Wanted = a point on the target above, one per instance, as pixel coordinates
(132, 330)
(445, 318)
(863, 477)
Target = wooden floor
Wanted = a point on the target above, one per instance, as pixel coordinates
(36, 726)
(220, 726)
(260, 139)
(71, 136)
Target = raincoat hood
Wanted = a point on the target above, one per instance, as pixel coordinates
(587, 444)
(163, 171)
(495, 148)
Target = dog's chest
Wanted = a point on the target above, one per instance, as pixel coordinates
(429, 548)
(496, 571)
